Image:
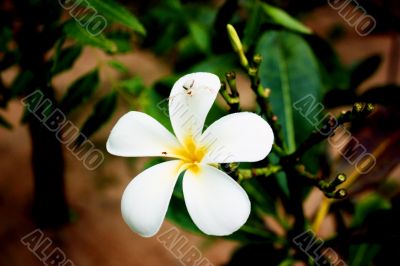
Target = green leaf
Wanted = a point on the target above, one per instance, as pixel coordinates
(132, 86)
(289, 68)
(282, 181)
(21, 83)
(259, 197)
(122, 40)
(218, 64)
(156, 106)
(65, 59)
(117, 65)
(200, 36)
(252, 28)
(80, 91)
(280, 17)
(103, 110)
(363, 254)
(4, 123)
(167, 40)
(178, 214)
(115, 12)
(82, 36)
(369, 204)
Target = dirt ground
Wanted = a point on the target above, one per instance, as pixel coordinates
(99, 236)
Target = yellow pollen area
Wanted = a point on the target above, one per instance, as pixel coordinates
(191, 154)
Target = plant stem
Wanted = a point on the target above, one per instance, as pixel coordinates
(254, 172)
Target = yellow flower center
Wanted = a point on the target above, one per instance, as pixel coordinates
(191, 153)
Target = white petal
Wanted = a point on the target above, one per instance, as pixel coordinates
(146, 198)
(190, 101)
(138, 134)
(238, 137)
(216, 203)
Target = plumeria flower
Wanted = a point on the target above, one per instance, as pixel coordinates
(217, 204)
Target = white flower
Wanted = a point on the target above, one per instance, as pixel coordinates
(216, 203)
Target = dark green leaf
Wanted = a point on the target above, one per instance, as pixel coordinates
(167, 40)
(253, 231)
(4, 123)
(80, 91)
(21, 83)
(122, 40)
(132, 86)
(334, 74)
(156, 106)
(218, 64)
(368, 205)
(252, 28)
(280, 17)
(339, 97)
(84, 37)
(259, 197)
(282, 181)
(200, 36)
(363, 70)
(65, 60)
(103, 110)
(289, 68)
(178, 214)
(363, 254)
(117, 13)
(387, 95)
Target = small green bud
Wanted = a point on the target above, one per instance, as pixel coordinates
(231, 79)
(370, 107)
(237, 45)
(358, 107)
(252, 71)
(257, 58)
(340, 194)
(267, 92)
(234, 38)
(341, 178)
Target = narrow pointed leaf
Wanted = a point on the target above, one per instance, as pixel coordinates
(115, 12)
(280, 17)
(102, 112)
(80, 91)
(66, 59)
(73, 30)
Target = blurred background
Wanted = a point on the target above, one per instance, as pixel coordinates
(97, 75)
